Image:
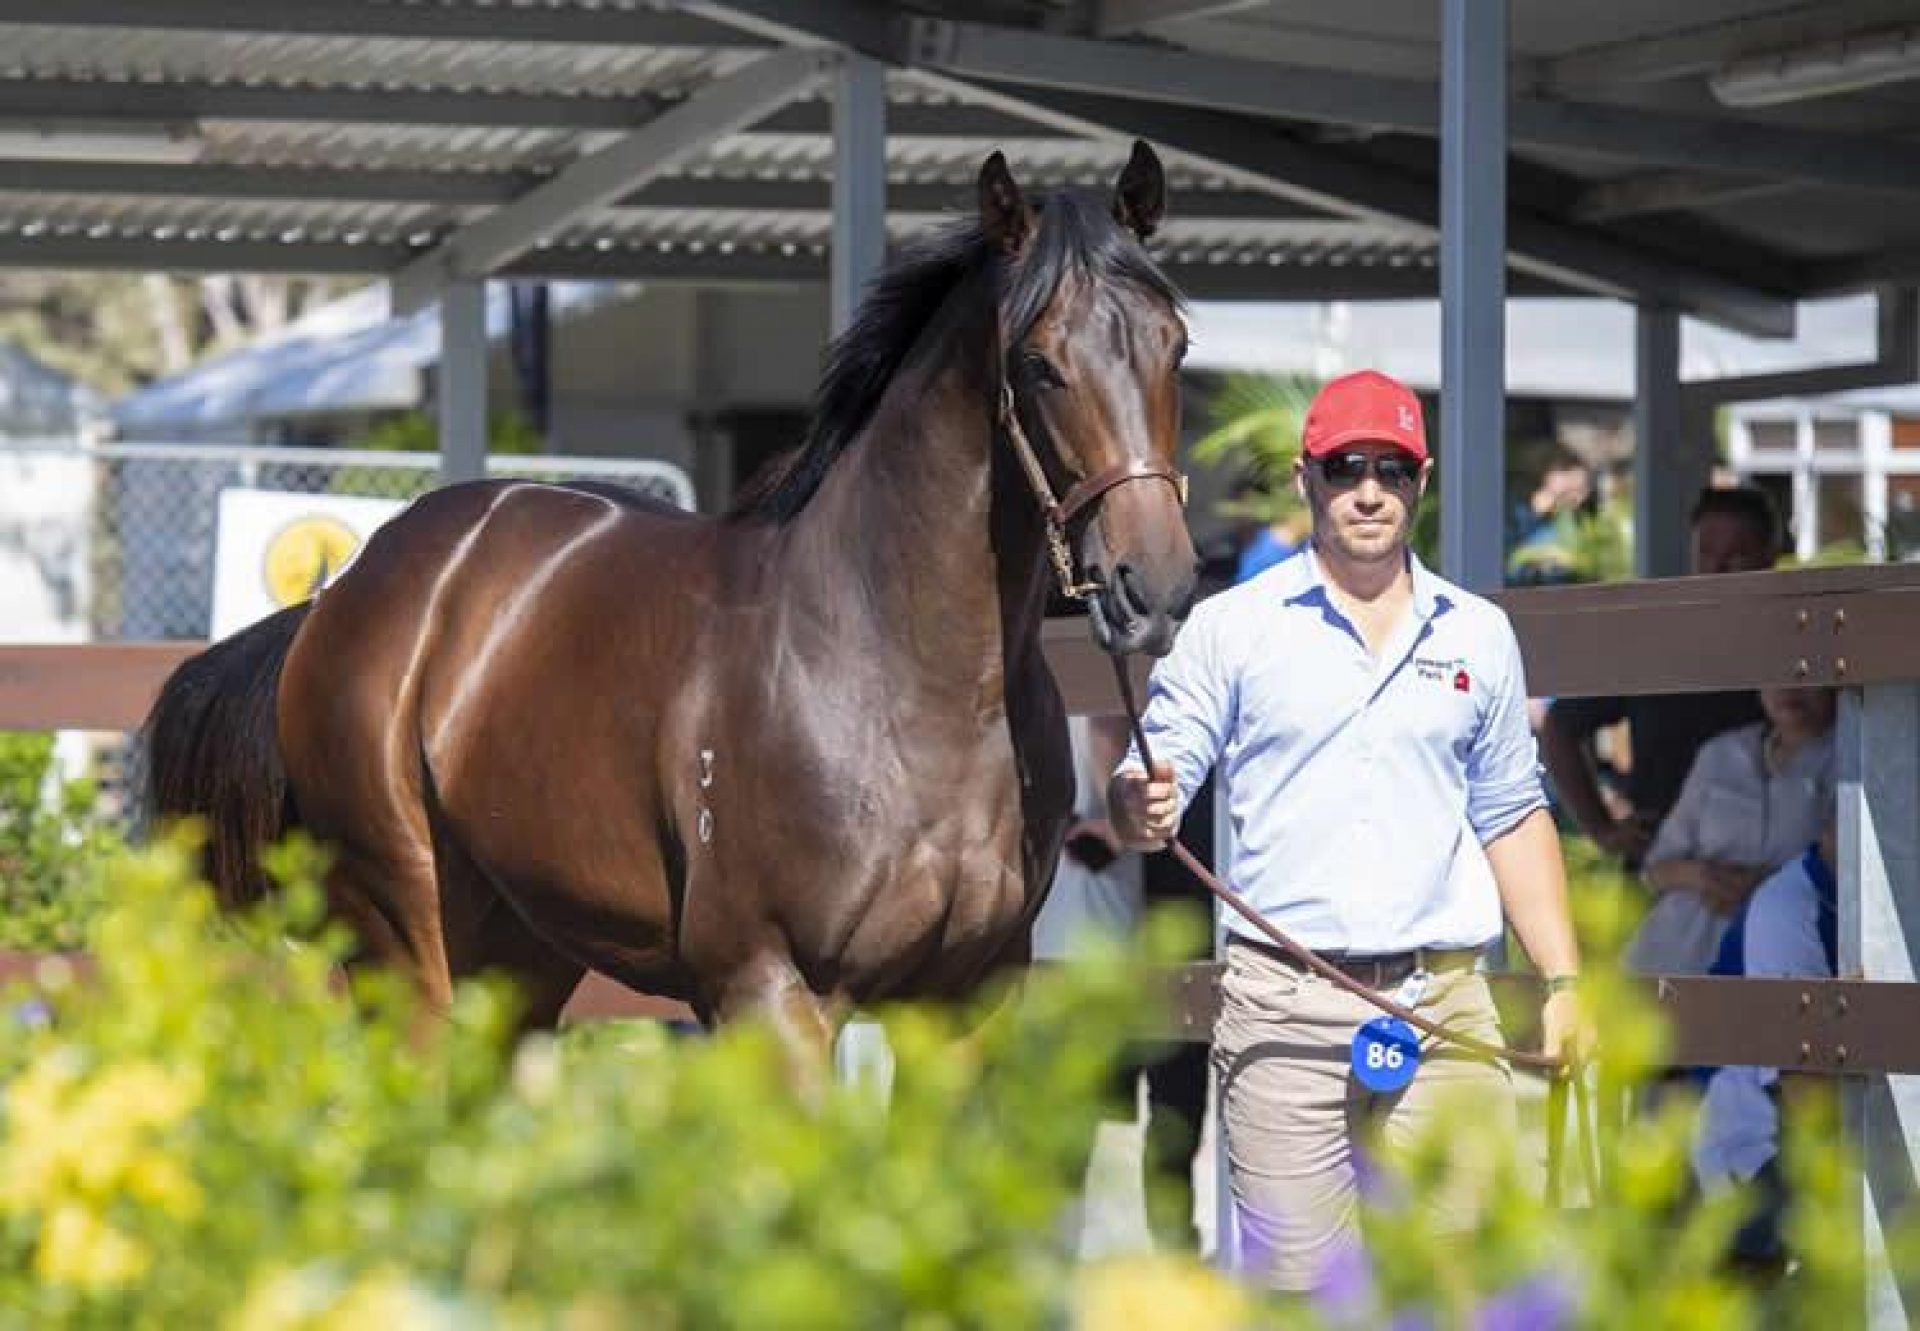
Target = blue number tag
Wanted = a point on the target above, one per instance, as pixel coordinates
(1386, 1054)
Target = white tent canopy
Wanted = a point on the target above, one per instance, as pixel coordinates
(1556, 347)
(346, 356)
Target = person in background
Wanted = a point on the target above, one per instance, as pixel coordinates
(1536, 555)
(1099, 891)
(1734, 531)
(1755, 797)
(1787, 930)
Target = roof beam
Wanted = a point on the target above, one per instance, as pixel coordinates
(1113, 17)
(602, 26)
(1260, 157)
(1666, 192)
(481, 189)
(718, 109)
(1861, 272)
(142, 254)
(100, 100)
(1200, 281)
(1262, 88)
(859, 25)
(1685, 51)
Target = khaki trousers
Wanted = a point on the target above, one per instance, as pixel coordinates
(1303, 1135)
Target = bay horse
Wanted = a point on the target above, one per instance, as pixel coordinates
(802, 757)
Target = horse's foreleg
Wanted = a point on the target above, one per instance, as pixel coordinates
(774, 992)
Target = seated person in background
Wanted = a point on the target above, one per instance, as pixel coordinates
(1754, 799)
(1788, 931)
(1734, 531)
(1102, 889)
(1097, 884)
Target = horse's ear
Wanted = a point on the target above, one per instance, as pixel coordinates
(1140, 199)
(1004, 214)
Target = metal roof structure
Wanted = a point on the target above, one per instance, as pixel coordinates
(360, 135)
(1722, 159)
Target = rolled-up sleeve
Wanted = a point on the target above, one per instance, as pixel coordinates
(1503, 767)
(1189, 704)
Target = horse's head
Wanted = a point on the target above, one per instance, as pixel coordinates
(1093, 344)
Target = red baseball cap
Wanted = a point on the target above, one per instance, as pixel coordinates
(1364, 407)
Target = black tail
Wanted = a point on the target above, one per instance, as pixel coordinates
(213, 752)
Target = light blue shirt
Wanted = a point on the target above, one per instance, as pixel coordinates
(1360, 791)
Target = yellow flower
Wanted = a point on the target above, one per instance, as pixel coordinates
(1149, 1293)
(161, 1182)
(280, 1301)
(73, 1147)
(311, 1300)
(385, 1298)
(78, 1248)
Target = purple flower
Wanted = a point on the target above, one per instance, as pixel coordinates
(1347, 1275)
(1543, 1302)
(1344, 1292)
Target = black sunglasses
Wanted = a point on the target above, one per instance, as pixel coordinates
(1345, 470)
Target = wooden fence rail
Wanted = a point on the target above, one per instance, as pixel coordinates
(1848, 627)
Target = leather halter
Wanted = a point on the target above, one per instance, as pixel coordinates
(1059, 513)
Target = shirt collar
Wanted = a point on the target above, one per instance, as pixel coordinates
(1306, 584)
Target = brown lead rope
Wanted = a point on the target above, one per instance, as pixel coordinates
(1556, 1068)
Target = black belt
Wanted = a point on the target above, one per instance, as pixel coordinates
(1376, 970)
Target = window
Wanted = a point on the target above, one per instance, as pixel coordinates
(1843, 517)
(1903, 517)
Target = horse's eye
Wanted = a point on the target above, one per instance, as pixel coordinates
(1039, 370)
(1180, 350)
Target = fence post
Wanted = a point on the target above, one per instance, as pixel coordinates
(1879, 936)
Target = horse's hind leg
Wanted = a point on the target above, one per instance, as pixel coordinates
(770, 989)
(544, 976)
(390, 902)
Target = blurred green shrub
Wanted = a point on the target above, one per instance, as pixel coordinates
(213, 1132)
(53, 843)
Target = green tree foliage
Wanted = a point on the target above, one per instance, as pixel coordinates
(116, 331)
(52, 846)
(1255, 422)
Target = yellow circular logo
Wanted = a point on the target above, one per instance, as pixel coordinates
(304, 555)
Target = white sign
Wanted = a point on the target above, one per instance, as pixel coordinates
(274, 549)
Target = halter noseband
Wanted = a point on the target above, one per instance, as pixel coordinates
(1059, 513)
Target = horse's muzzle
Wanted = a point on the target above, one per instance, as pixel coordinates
(1130, 614)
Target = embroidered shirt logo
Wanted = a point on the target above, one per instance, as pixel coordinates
(1444, 670)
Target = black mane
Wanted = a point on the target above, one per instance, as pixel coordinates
(1075, 235)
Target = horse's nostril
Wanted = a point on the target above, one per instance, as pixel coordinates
(1128, 583)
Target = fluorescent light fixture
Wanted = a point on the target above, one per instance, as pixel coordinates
(1865, 60)
(103, 141)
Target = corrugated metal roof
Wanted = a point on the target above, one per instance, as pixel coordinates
(475, 119)
(136, 56)
(1622, 153)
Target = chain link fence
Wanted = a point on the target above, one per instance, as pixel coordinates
(119, 541)
(156, 507)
